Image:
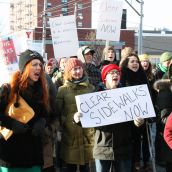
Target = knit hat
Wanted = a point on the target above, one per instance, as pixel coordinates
(26, 56)
(107, 68)
(49, 64)
(165, 57)
(71, 63)
(143, 57)
(53, 61)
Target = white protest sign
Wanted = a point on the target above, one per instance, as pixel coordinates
(20, 41)
(36, 46)
(64, 36)
(115, 106)
(109, 20)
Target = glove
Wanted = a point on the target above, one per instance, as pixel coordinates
(19, 127)
(139, 121)
(38, 127)
(77, 117)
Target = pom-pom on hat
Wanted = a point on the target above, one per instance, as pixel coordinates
(26, 56)
(143, 57)
(107, 68)
(165, 57)
(71, 63)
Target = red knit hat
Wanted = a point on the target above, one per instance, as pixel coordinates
(71, 63)
(49, 64)
(107, 68)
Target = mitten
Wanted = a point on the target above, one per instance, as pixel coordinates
(139, 121)
(19, 127)
(38, 127)
(76, 117)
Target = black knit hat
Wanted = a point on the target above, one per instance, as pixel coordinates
(26, 56)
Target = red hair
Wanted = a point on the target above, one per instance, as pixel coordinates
(19, 82)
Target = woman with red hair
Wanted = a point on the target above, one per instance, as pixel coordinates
(23, 151)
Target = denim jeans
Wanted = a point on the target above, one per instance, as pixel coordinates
(117, 166)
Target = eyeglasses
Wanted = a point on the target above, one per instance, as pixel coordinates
(114, 72)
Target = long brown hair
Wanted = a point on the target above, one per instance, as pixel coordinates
(19, 83)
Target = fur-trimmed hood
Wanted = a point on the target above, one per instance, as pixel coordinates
(162, 84)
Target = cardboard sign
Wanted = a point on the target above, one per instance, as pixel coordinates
(115, 106)
(109, 20)
(64, 36)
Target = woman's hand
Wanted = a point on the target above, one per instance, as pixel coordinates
(139, 121)
(76, 117)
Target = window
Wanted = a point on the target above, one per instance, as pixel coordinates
(80, 6)
(48, 14)
(48, 23)
(64, 9)
(80, 14)
(79, 24)
(49, 4)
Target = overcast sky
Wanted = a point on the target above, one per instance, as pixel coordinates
(4, 16)
(157, 14)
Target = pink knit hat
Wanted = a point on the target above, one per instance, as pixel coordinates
(107, 68)
(71, 63)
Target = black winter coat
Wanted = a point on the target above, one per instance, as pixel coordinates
(164, 103)
(113, 142)
(22, 150)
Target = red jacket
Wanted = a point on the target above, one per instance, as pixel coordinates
(168, 131)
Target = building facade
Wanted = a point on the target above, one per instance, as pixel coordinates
(29, 14)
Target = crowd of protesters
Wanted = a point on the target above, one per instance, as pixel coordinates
(53, 140)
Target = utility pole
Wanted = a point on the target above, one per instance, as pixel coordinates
(44, 24)
(75, 10)
(140, 30)
(140, 33)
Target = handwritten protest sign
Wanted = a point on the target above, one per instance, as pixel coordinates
(64, 36)
(109, 20)
(8, 59)
(115, 106)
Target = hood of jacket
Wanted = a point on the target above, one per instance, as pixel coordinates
(162, 84)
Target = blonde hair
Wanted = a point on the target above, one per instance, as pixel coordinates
(105, 52)
(125, 52)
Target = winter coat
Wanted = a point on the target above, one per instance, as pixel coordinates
(168, 131)
(130, 78)
(52, 126)
(113, 142)
(158, 72)
(94, 75)
(164, 99)
(24, 149)
(77, 142)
